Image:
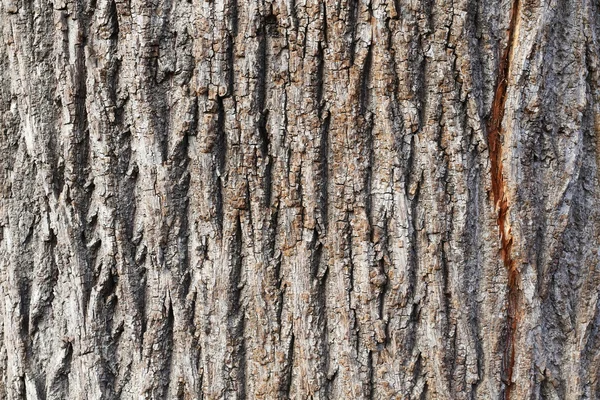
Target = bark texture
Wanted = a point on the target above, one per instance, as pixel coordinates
(358, 199)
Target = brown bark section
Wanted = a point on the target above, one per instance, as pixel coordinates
(494, 127)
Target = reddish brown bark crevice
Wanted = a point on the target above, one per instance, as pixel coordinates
(500, 200)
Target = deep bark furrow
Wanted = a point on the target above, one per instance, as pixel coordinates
(501, 205)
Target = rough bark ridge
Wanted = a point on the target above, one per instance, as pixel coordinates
(494, 127)
(359, 199)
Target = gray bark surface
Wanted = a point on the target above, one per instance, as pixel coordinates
(361, 199)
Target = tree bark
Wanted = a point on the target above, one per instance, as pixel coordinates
(365, 199)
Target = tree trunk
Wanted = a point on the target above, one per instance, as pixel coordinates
(366, 199)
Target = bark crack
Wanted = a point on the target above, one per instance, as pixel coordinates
(500, 199)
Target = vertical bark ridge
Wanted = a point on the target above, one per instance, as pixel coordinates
(495, 128)
(593, 67)
(8, 140)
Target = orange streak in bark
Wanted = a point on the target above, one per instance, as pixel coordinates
(500, 201)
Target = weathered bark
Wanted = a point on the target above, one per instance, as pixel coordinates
(299, 199)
